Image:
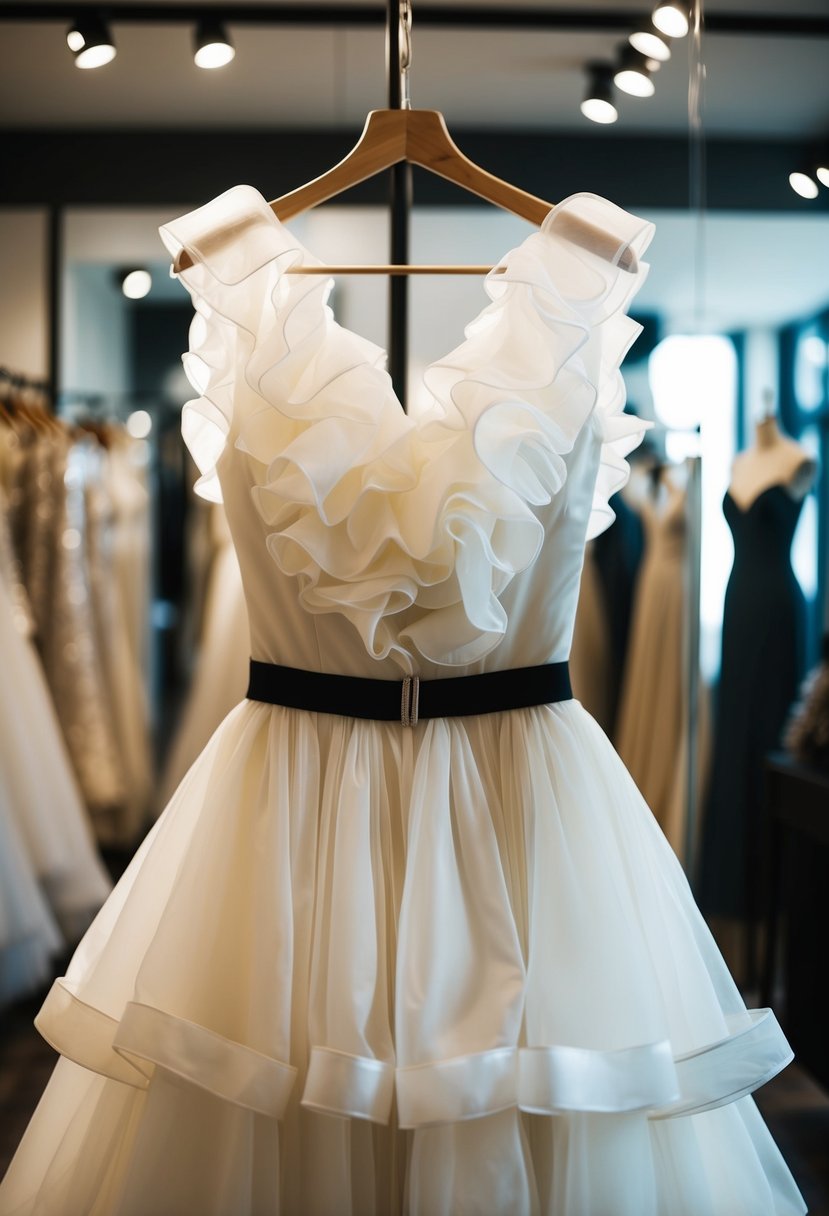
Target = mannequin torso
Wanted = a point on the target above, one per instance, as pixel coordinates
(773, 459)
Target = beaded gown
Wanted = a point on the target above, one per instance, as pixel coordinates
(359, 967)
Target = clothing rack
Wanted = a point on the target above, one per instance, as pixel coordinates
(19, 381)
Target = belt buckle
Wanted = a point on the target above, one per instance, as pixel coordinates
(409, 700)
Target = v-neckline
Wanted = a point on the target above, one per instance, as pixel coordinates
(329, 284)
(543, 264)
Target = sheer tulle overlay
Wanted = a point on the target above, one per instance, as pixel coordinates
(359, 968)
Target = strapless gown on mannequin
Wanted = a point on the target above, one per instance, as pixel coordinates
(364, 968)
(763, 658)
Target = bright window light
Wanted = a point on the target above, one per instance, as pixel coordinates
(804, 545)
(810, 362)
(693, 381)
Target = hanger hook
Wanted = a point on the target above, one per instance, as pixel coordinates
(405, 53)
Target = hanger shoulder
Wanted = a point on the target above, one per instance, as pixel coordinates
(381, 145)
(430, 145)
(418, 136)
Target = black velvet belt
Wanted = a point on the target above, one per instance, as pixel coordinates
(410, 699)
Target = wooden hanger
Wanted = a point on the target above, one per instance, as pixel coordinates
(420, 137)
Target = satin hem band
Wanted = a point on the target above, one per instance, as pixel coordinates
(542, 1080)
(229, 1070)
(339, 1083)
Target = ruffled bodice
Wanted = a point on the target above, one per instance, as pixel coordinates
(436, 537)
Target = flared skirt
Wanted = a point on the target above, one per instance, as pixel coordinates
(359, 969)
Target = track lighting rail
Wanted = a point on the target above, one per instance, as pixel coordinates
(466, 15)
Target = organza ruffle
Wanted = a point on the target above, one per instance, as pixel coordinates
(410, 528)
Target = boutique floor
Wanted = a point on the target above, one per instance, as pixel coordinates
(796, 1109)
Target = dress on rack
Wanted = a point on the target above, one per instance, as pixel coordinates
(763, 660)
(651, 724)
(41, 793)
(29, 934)
(110, 485)
(72, 656)
(39, 790)
(603, 617)
(359, 967)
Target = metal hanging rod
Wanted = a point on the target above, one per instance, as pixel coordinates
(459, 15)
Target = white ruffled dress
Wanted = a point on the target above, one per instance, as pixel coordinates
(359, 968)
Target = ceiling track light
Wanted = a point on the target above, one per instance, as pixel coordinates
(135, 283)
(803, 184)
(598, 104)
(90, 41)
(651, 42)
(213, 46)
(811, 174)
(671, 19)
(633, 72)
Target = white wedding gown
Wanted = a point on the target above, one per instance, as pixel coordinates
(364, 968)
(39, 793)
